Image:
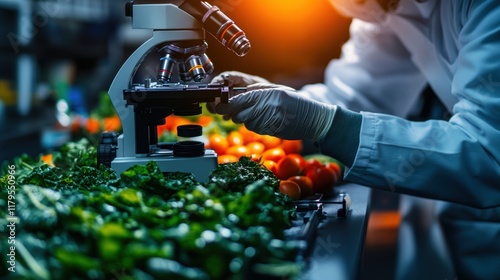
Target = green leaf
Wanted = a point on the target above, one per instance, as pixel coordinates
(75, 259)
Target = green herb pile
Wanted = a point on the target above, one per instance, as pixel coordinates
(81, 221)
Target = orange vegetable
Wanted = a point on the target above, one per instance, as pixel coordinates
(270, 141)
(238, 151)
(112, 123)
(248, 135)
(291, 146)
(93, 125)
(235, 138)
(287, 167)
(226, 159)
(218, 143)
(274, 154)
(270, 165)
(205, 120)
(47, 159)
(255, 148)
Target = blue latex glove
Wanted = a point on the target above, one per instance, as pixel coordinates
(279, 111)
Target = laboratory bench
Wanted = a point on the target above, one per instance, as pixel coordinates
(338, 249)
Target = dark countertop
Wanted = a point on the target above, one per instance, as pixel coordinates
(338, 251)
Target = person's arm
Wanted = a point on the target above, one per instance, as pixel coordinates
(457, 160)
(374, 73)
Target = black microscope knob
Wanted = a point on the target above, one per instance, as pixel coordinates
(108, 144)
(129, 8)
(189, 130)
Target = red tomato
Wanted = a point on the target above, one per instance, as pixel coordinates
(271, 165)
(287, 167)
(305, 184)
(335, 167)
(291, 189)
(312, 164)
(274, 154)
(323, 179)
(300, 160)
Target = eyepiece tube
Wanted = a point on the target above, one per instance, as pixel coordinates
(218, 25)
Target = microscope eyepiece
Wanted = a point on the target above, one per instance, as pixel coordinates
(219, 25)
(226, 31)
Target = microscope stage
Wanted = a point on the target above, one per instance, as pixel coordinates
(199, 166)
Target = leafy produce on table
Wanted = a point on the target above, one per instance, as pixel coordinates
(232, 177)
(78, 220)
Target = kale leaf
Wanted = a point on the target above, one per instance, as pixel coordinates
(235, 176)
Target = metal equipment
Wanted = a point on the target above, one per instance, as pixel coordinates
(179, 38)
(310, 213)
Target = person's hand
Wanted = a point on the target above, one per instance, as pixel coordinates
(279, 111)
(238, 79)
(234, 79)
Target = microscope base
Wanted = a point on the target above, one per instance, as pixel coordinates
(200, 166)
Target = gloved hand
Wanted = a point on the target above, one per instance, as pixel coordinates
(279, 111)
(239, 79)
(235, 79)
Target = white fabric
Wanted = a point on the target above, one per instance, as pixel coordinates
(366, 10)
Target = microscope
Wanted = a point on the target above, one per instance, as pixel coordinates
(179, 38)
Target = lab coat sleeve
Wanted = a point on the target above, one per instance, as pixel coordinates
(458, 160)
(374, 73)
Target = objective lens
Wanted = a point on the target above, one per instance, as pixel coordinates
(195, 68)
(183, 72)
(207, 64)
(167, 64)
(219, 25)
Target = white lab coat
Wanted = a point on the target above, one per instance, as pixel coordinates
(454, 46)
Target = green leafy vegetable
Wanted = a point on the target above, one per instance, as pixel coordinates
(235, 176)
(83, 221)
